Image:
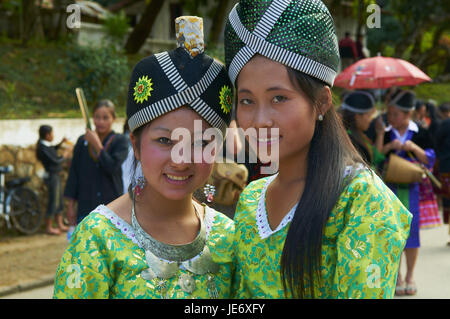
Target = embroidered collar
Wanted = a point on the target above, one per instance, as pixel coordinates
(161, 270)
(262, 221)
(411, 127)
(181, 257)
(176, 253)
(127, 230)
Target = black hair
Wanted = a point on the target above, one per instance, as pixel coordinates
(349, 121)
(126, 127)
(444, 107)
(442, 110)
(43, 131)
(108, 104)
(330, 152)
(137, 137)
(419, 104)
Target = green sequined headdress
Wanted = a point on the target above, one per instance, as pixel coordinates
(297, 33)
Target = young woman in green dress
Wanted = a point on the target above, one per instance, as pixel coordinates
(324, 226)
(157, 241)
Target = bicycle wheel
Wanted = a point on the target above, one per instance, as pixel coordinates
(25, 212)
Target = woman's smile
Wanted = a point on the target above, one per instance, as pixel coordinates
(178, 179)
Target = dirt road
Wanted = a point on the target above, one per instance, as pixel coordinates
(25, 259)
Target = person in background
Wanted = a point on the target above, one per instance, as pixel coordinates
(47, 155)
(404, 138)
(357, 110)
(444, 110)
(420, 114)
(424, 115)
(371, 131)
(95, 175)
(347, 51)
(443, 153)
(435, 118)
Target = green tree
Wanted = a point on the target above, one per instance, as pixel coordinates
(101, 72)
(116, 26)
(414, 30)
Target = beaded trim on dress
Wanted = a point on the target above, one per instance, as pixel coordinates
(262, 222)
(127, 229)
(264, 230)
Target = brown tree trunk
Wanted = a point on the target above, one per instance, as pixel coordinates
(144, 27)
(30, 13)
(61, 15)
(359, 19)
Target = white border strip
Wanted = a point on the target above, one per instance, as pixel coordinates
(257, 44)
(186, 95)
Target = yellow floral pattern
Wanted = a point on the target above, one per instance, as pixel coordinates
(363, 239)
(102, 261)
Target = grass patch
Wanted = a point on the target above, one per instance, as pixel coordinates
(440, 92)
(33, 82)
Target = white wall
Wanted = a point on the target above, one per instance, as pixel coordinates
(26, 132)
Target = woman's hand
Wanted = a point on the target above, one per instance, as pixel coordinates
(396, 145)
(410, 146)
(93, 139)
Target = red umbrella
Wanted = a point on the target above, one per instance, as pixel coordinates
(380, 73)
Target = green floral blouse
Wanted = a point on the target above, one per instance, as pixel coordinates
(104, 260)
(362, 243)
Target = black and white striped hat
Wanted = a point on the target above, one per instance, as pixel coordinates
(358, 102)
(297, 33)
(184, 76)
(404, 100)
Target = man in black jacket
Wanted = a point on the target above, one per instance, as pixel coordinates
(52, 162)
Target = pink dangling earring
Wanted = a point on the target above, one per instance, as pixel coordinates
(209, 191)
(140, 184)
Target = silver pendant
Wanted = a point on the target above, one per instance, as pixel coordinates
(162, 287)
(160, 268)
(203, 264)
(187, 283)
(212, 288)
(148, 274)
